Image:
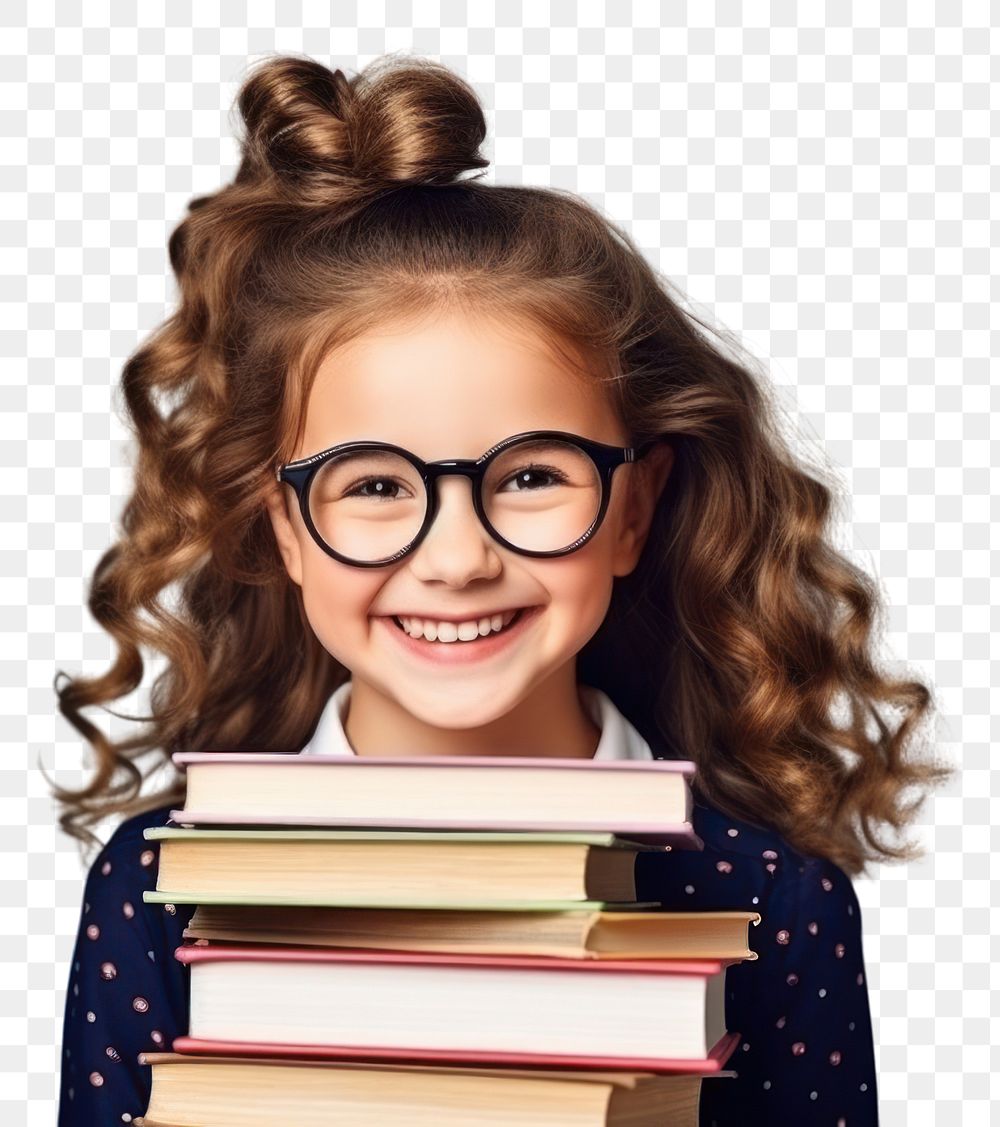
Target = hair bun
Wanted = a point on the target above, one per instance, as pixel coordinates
(320, 136)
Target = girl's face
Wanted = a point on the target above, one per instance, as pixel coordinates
(451, 387)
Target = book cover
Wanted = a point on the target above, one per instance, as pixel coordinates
(649, 800)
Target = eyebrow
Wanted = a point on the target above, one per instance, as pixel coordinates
(306, 460)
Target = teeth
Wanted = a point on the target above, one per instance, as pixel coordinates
(455, 631)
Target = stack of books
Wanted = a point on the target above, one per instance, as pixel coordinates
(437, 941)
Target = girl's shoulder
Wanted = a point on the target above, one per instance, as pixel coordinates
(127, 862)
(721, 831)
(729, 839)
(727, 835)
(128, 835)
(808, 905)
(734, 847)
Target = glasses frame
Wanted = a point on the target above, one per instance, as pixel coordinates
(301, 473)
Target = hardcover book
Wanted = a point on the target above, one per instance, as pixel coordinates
(644, 800)
(578, 934)
(312, 866)
(220, 1091)
(650, 1014)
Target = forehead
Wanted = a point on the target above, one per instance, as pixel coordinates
(451, 386)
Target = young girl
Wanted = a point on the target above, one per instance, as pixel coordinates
(359, 329)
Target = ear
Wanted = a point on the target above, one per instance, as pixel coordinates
(284, 531)
(647, 483)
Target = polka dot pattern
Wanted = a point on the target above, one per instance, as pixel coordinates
(804, 1057)
(806, 1053)
(126, 994)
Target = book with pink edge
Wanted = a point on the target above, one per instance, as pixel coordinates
(658, 1015)
(644, 800)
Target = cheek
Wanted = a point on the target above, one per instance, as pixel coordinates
(580, 589)
(337, 599)
(593, 600)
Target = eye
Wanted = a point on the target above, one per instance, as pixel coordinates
(382, 490)
(527, 474)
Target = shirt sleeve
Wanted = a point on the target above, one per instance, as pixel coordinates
(126, 994)
(806, 1051)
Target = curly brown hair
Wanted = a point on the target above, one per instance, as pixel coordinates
(734, 641)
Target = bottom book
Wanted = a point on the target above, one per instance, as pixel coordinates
(220, 1091)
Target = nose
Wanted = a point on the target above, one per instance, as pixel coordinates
(457, 548)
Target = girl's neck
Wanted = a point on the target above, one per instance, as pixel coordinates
(551, 722)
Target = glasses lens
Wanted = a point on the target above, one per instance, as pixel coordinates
(367, 504)
(542, 494)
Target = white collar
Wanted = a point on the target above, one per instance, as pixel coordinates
(619, 738)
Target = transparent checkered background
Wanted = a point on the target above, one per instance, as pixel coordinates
(815, 177)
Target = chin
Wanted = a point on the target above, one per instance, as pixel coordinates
(457, 708)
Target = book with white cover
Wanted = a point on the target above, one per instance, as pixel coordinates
(657, 1011)
(644, 800)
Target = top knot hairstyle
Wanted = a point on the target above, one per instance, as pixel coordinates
(734, 642)
(321, 139)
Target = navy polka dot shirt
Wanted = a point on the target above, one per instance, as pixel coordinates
(805, 1054)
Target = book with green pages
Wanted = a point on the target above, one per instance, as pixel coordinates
(398, 868)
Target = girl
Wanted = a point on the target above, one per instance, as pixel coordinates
(675, 590)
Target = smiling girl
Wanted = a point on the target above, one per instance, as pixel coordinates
(453, 384)
(435, 467)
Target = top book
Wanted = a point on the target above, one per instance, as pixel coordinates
(645, 800)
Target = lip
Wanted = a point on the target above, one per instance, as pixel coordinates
(460, 653)
(470, 616)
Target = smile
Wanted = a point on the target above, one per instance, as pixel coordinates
(451, 649)
(444, 631)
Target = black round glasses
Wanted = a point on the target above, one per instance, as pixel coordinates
(540, 493)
